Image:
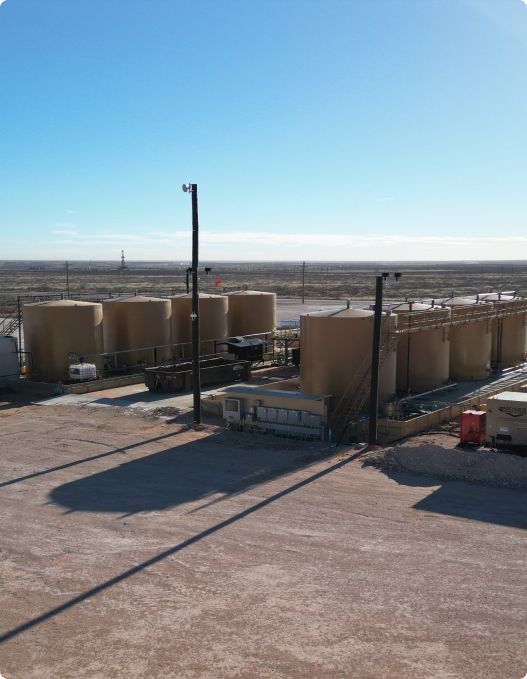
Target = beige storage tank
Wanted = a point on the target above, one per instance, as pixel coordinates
(54, 330)
(509, 332)
(212, 321)
(423, 357)
(251, 312)
(470, 338)
(336, 346)
(137, 323)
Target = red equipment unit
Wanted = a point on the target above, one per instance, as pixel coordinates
(472, 426)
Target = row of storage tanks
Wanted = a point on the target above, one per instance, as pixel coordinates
(336, 345)
(55, 330)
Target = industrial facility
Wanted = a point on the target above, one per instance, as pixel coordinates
(438, 357)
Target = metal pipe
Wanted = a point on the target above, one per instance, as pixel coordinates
(425, 393)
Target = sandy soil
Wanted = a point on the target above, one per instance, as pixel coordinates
(135, 548)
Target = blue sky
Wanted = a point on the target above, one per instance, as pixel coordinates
(358, 130)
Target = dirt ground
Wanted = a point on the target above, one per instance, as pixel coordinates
(134, 548)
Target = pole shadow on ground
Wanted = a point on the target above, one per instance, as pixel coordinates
(473, 501)
(134, 570)
(210, 466)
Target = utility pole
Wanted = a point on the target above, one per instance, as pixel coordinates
(376, 356)
(67, 279)
(196, 378)
(303, 282)
(408, 352)
(375, 360)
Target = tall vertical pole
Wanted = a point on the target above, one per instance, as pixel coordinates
(67, 279)
(303, 282)
(375, 362)
(19, 314)
(408, 352)
(196, 378)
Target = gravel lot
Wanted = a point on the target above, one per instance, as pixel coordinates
(136, 548)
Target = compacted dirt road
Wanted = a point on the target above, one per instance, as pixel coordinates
(136, 548)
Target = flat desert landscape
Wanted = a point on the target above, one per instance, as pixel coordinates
(330, 280)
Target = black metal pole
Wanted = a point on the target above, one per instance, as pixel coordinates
(375, 362)
(19, 314)
(196, 378)
(408, 352)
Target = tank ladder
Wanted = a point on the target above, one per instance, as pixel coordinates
(10, 324)
(357, 392)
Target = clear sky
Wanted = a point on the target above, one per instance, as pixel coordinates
(315, 129)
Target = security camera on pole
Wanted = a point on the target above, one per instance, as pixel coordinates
(196, 379)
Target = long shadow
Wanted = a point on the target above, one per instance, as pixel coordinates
(502, 506)
(74, 463)
(181, 474)
(98, 589)
(132, 399)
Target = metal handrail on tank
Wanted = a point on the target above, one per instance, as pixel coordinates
(176, 348)
(416, 321)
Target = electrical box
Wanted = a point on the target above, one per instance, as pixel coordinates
(507, 419)
(232, 410)
(472, 427)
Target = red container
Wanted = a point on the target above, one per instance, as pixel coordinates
(472, 429)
